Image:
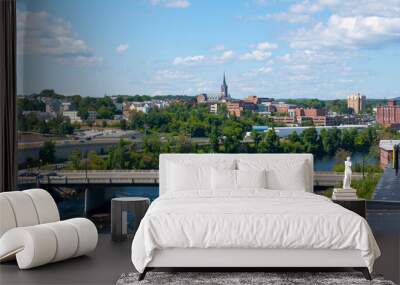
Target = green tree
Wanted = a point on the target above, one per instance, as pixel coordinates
(294, 137)
(257, 138)
(152, 144)
(75, 159)
(215, 138)
(330, 139)
(83, 112)
(123, 124)
(47, 152)
(105, 113)
(270, 143)
(184, 145)
(347, 140)
(307, 122)
(95, 162)
(310, 141)
(232, 134)
(148, 161)
(119, 156)
(136, 120)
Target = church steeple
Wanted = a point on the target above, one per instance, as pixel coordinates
(224, 89)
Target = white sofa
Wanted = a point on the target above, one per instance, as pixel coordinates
(31, 231)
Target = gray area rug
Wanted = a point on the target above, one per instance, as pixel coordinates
(228, 278)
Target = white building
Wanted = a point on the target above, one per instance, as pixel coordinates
(73, 116)
(137, 106)
(213, 108)
(159, 103)
(66, 106)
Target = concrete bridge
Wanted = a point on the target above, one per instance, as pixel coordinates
(102, 177)
(130, 177)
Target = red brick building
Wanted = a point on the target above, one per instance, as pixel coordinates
(284, 119)
(251, 99)
(309, 112)
(316, 115)
(202, 98)
(388, 116)
(234, 108)
(319, 120)
(386, 151)
(282, 108)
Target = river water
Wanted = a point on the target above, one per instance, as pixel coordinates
(327, 163)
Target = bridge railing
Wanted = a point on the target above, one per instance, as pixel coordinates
(325, 179)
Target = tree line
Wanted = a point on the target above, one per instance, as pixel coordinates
(127, 155)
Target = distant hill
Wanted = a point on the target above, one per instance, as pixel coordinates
(50, 93)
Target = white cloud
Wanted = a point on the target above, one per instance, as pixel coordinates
(40, 33)
(171, 3)
(226, 55)
(261, 2)
(292, 18)
(266, 45)
(265, 69)
(122, 48)
(349, 33)
(315, 58)
(256, 55)
(301, 77)
(202, 59)
(285, 58)
(80, 60)
(258, 71)
(260, 53)
(218, 47)
(189, 60)
(167, 74)
(308, 7)
(384, 8)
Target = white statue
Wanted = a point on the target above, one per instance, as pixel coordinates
(347, 174)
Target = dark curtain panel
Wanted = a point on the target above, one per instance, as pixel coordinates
(8, 133)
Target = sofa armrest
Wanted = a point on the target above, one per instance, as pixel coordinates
(41, 244)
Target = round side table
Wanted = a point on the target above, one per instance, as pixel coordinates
(119, 215)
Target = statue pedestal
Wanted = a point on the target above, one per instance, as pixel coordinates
(344, 194)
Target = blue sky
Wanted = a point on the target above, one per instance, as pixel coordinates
(323, 49)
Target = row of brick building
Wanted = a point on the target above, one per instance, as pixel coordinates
(389, 115)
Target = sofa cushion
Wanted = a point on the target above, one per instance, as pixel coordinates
(41, 244)
(23, 208)
(7, 220)
(45, 205)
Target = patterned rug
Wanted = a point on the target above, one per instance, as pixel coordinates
(243, 278)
